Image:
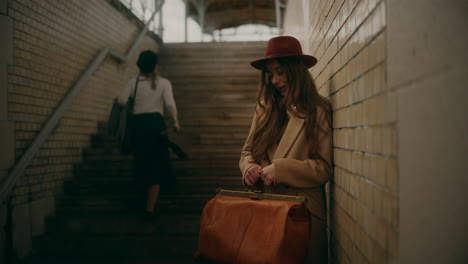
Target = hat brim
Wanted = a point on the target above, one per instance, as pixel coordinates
(308, 60)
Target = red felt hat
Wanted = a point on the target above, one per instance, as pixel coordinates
(283, 47)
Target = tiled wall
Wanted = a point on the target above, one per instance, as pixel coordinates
(349, 39)
(49, 44)
(427, 66)
(54, 41)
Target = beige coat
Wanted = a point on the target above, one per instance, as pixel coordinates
(298, 173)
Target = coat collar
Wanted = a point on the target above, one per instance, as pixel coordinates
(293, 129)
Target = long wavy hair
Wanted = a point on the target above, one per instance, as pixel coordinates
(301, 99)
(147, 62)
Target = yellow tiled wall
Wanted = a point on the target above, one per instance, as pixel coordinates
(54, 41)
(348, 37)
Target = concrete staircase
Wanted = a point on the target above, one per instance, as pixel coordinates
(215, 89)
(99, 217)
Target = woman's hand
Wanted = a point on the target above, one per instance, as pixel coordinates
(252, 175)
(176, 128)
(268, 175)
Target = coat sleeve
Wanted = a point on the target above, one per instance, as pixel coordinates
(314, 171)
(246, 160)
(170, 103)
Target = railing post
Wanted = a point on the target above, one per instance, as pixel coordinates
(278, 6)
(186, 20)
(201, 16)
(160, 26)
(140, 36)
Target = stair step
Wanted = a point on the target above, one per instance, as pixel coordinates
(130, 203)
(179, 171)
(222, 64)
(214, 80)
(206, 56)
(99, 217)
(220, 49)
(202, 75)
(125, 223)
(104, 180)
(92, 245)
(119, 186)
(216, 85)
(40, 259)
(108, 167)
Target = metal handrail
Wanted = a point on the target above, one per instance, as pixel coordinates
(26, 158)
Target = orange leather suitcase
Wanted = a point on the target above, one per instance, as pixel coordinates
(253, 227)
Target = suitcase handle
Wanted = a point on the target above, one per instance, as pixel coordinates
(260, 196)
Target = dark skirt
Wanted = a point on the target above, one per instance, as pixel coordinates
(150, 150)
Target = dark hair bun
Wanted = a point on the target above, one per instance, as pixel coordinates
(147, 61)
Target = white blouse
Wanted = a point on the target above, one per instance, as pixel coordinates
(148, 100)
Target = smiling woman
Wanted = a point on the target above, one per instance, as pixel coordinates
(277, 76)
(289, 146)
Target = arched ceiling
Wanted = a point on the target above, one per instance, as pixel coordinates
(220, 14)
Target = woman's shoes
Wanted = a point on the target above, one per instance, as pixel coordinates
(150, 216)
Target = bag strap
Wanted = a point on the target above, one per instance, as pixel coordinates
(131, 103)
(136, 87)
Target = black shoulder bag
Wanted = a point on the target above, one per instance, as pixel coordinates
(126, 115)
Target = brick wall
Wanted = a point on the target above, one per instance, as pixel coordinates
(349, 39)
(53, 43)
